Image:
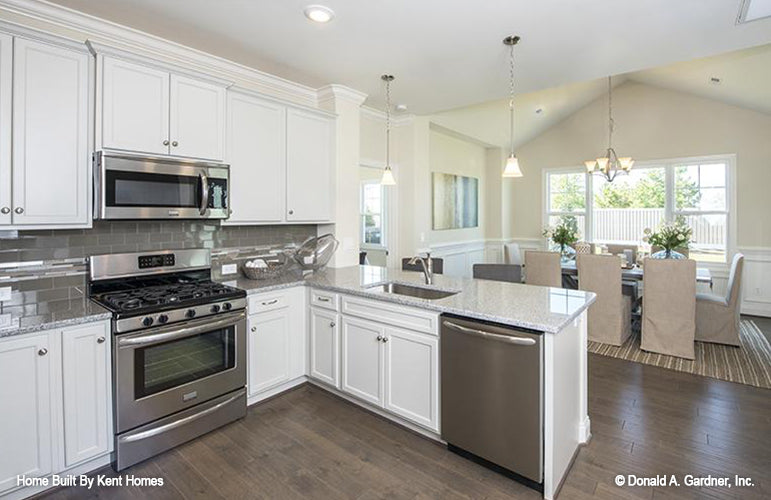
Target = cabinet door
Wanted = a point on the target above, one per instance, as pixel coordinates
(324, 347)
(51, 157)
(412, 376)
(197, 118)
(6, 102)
(362, 359)
(25, 433)
(256, 152)
(135, 107)
(85, 382)
(269, 362)
(308, 167)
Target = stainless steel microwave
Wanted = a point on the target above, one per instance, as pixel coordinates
(149, 187)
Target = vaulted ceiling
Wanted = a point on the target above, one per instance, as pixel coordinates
(444, 54)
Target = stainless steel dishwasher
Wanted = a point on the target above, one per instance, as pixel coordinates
(492, 396)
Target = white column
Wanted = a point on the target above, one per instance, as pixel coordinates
(346, 103)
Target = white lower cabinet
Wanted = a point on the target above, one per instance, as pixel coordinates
(276, 341)
(362, 357)
(412, 376)
(324, 346)
(56, 401)
(86, 389)
(392, 368)
(25, 393)
(269, 357)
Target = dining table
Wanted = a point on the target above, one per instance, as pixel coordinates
(628, 275)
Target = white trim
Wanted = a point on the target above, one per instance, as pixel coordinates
(143, 44)
(340, 93)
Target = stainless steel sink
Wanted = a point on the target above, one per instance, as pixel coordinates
(413, 291)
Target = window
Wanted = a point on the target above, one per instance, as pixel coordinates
(372, 214)
(696, 191)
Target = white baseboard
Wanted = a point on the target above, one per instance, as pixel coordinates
(275, 390)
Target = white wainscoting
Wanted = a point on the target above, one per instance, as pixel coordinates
(756, 281)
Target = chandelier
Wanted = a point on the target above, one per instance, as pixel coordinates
(512, 164)
(610, 165)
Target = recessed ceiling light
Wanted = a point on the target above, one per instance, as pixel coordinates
(538, 111)
(401, 107)
(715, 80)
(319, 13)
(752, 10)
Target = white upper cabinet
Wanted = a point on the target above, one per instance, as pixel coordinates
(197, 118)
(256, 153)
(25, 433)
(6, 105)
(310, 150)
(150, 110)
(51, 146)
(135, 107)
(86, 387)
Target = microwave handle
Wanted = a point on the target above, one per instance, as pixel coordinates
(204, 192)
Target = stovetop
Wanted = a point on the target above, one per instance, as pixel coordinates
(144, 295)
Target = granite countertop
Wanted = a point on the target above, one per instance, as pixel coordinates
(526, 306)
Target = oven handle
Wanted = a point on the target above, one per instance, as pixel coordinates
(175, 332)
(178, 423)
(204, 192)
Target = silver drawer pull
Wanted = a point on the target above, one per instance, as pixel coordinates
(489, 335)
(270, 302)
(323, 299)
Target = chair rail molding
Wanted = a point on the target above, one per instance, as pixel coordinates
(756, 281)
(68, 23)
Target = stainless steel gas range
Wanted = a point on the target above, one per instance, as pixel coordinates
(179, 349)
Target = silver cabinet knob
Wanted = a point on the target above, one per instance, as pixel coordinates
(254, 329)
(166, 142)
(100, 340)
(19, 210)
(385, 339)
(291, 212)
(174, 143)
(42, 352)
(5, 210)
(332, 324)
(379, 338)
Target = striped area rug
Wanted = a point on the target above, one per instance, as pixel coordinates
(749, 364)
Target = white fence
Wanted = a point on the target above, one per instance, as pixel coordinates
(628, 225)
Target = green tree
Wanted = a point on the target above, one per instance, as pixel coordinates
(648, 192)
(568, 192)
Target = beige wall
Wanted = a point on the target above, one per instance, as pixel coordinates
(651, 123)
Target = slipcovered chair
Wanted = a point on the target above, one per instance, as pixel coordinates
(669, 307)
(610, 317)
(498, 272)
(717, 318)
(511, 254)
(619, 249)
(543, 269)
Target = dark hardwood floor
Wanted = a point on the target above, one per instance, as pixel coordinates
(310, 444)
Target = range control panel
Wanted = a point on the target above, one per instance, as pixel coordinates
(160, 260)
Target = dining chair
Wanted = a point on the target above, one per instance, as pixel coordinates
(717, 317)
(512, 254)
(543, 269)
(619, 249)
(669, 307)
(438, 264)
(498, 272)
(610, 317)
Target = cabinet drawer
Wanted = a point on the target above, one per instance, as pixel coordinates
(326, 300)
(411, 318)
(266, 302)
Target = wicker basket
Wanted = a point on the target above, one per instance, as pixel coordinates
(277, 265)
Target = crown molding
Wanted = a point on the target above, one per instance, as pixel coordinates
(100, 31)
(340, 93)
(377, 115)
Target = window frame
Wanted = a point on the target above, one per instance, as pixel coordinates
(383, 217)
(670, 210)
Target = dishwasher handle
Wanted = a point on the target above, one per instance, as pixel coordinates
(525, 341)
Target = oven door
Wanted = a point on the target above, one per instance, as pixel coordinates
(141, 187)
(164, 370)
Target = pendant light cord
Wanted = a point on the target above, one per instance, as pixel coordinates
(388, 123)
(511, 98)
(610, 114)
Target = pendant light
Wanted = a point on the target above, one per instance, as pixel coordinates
(388, 175)
(610, 165)
(512, 164)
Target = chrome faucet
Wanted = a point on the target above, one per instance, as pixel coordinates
(428, 266)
